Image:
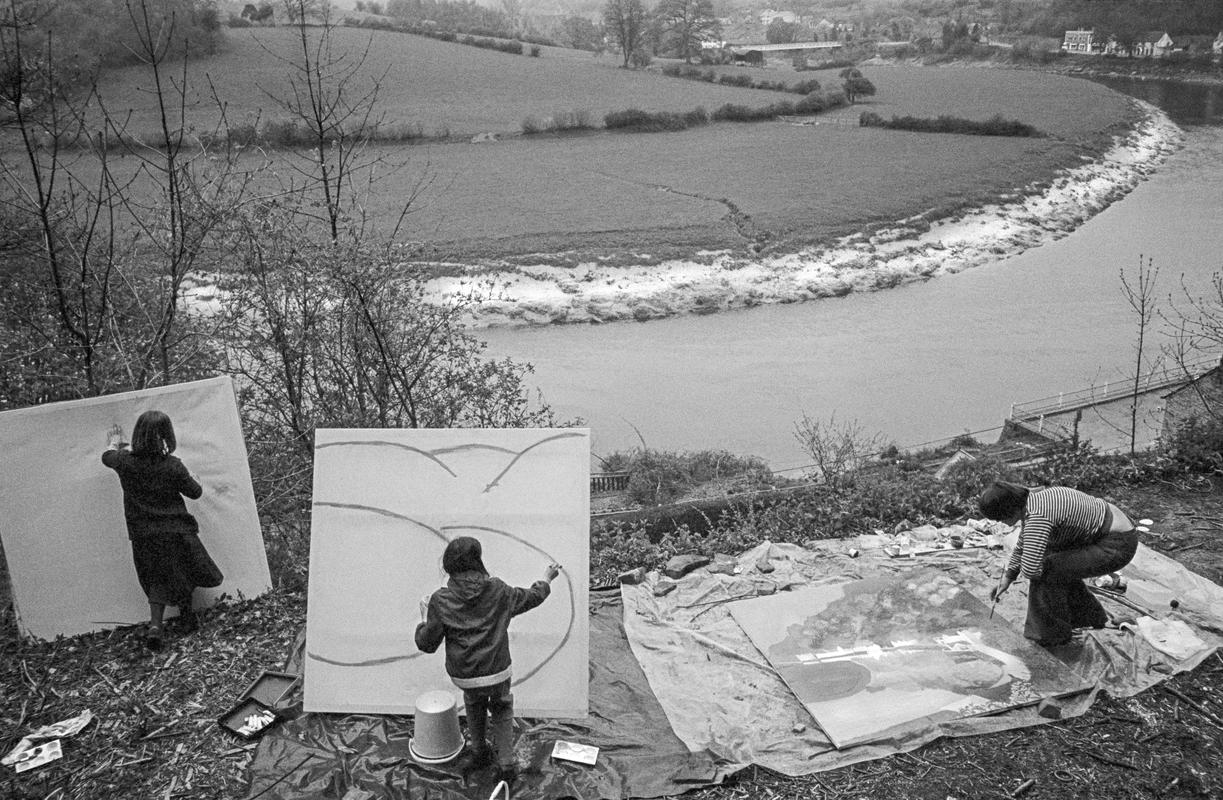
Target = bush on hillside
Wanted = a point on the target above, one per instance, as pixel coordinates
(1197, 446)
(560, 121)
(657, 477)
(735, 80)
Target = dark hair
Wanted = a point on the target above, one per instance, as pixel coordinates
(153, 435)
(463, 555)
(1003, 500)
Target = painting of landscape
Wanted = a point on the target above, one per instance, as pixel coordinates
(872, 659)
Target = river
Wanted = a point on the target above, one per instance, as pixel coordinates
(915, 364)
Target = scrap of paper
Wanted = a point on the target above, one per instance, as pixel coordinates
(37, 756)
(56, 730)
(64, 728)
(572, 751)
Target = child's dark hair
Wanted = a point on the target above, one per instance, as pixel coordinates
(153, 435)
(1003, 501)
(463, 555)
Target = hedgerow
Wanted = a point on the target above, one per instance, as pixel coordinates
(995, 126)
(636, 120)
(694, 73)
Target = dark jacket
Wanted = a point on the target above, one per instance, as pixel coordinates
(153, 491)
(472, 614)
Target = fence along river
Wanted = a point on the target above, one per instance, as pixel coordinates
(919, 363)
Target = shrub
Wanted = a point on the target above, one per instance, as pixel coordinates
(735, 80)
(535, 51)
(696, 117)
(235, 21)
(657, 477)
(811, 104)
(532, 125)
(805, 87)
(1197, 446)
(559, 121)
(635, 119)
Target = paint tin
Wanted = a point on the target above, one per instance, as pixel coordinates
(1112, 581)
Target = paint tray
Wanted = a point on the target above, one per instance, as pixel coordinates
(248, 719)
(271, 688)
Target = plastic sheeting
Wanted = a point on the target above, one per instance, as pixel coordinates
(360, 757)
(721, 696)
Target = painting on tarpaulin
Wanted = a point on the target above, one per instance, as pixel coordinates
(386, 503)
(877, 658)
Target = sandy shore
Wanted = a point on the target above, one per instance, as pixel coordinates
(908, 250)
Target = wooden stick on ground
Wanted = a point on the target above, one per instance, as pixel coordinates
(1201, 709)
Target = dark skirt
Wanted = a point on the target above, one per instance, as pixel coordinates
(161, 567)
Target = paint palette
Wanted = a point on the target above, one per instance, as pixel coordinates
(272, 688)
(249, 719)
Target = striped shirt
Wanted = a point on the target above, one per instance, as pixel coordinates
(1054, 519)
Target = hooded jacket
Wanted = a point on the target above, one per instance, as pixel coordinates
(472, 614)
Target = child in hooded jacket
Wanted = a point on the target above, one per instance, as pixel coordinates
(472, 613)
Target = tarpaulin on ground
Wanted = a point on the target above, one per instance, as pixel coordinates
(360, 757)
(722, 696)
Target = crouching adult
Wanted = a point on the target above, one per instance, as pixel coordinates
(1066, 536)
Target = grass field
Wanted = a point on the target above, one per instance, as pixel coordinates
(443, 87)
(664, 193)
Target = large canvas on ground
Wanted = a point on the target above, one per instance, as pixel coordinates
(65, 538)
(386, 502)
(868, 658)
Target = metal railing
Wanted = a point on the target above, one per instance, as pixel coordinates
(1112, 390)
(608, 482)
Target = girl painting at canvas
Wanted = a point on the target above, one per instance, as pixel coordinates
(154, 484)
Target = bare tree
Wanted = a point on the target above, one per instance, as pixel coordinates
(334, 96)
(1196, 325)
(340, 334)
(1140, 294)
(839, 449)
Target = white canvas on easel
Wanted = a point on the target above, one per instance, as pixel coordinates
(61, 510)
(386, 502)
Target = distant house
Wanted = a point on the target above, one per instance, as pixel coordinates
(1193, 44)
(1082, 41)
(1152, 44)
(1198, 399)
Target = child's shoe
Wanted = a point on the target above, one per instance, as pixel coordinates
(152, 638)
(481, 757)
